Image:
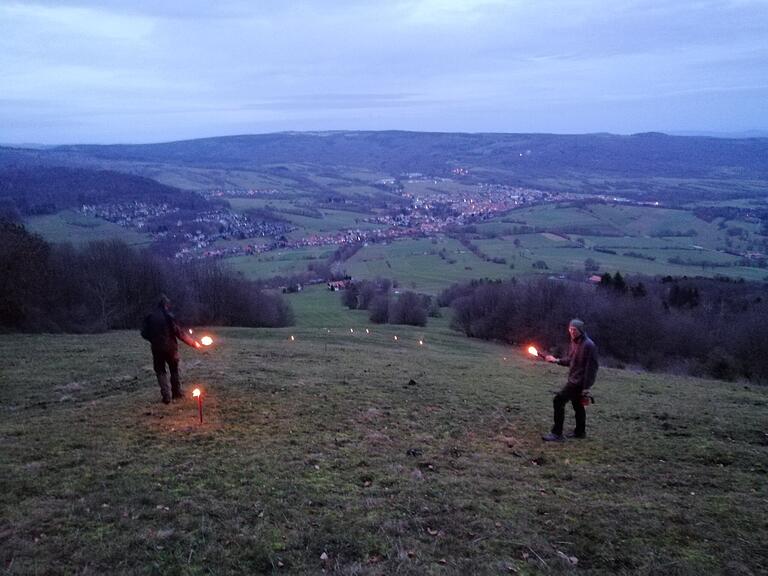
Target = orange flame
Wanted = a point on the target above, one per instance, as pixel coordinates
(196, 392)
(206, 340)
(532, 350)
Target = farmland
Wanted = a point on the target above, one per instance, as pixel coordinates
(71, 226)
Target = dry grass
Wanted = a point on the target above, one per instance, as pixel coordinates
(319, 455)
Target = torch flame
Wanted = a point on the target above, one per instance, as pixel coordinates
(532, 350)
(196, 392)
(206, 340)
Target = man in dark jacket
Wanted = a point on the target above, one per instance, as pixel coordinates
(162, 330)
(582, 360)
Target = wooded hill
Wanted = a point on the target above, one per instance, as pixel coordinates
(46, 190)
(582, 160)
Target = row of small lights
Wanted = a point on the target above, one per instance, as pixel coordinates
(208, 341)
(352, 331)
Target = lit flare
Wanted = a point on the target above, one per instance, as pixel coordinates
(196, 393)
(206, 340)
(532, 351)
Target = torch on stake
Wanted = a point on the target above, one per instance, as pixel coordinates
(196, 393)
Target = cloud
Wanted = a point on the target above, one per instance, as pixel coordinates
(420, 64)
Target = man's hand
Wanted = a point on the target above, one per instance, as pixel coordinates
(550, 358)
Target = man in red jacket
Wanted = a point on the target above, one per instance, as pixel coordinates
(582, 360)
(162, 330)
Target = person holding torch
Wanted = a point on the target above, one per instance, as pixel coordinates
(582, 363)
(162, 331)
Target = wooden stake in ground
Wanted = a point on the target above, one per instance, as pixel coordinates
(196, 394)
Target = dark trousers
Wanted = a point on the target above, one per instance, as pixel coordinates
(159, 359)
(559, 401)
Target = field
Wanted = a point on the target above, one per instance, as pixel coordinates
(617, 237)
(417, 264)
(278, 262)
(331, 220)
(652, 236)
(70, 226)
(354, 453)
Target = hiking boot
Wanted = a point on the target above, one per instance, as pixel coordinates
(576, 436)
(552, 437)
(178, 394)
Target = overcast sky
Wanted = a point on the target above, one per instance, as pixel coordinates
(111, 71)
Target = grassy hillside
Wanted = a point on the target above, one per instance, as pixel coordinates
(71, 226)
(320, 453)
(417, 264)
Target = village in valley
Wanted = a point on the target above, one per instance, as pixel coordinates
(428, 206)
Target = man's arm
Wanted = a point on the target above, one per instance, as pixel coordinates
(184, 336)
(590, 367)
(561, 361)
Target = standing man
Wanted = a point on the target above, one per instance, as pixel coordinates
(162, 330)
(582, 360)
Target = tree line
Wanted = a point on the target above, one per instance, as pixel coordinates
(109, 285)
(387, 306)
(703, 327)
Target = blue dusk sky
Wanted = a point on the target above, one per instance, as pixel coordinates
(114, 71)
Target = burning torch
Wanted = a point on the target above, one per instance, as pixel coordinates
(196, 394)
(534, 352)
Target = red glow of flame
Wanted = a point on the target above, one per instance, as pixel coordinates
(196, 392)
(206, 340)
(532, 350)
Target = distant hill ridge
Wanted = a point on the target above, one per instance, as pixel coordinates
(394, 152)
(46, 190)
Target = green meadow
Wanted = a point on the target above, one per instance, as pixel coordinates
(417, 264)
(337, 451)
(76, 228)
(644, 239)
(279, 262)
